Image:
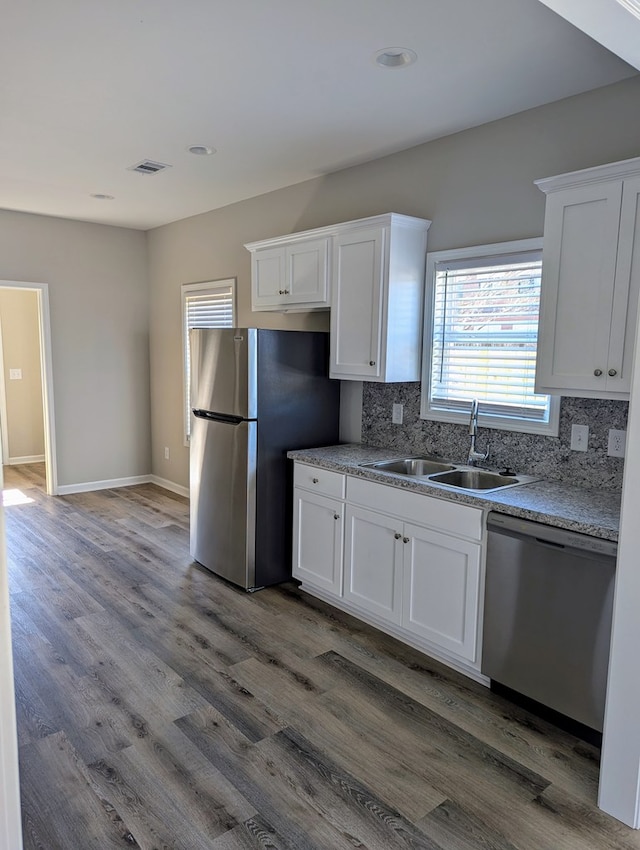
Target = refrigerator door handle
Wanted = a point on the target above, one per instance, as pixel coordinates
(218, 417)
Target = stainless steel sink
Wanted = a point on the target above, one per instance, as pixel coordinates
(415, 466)
(438, 471)
(475, 479)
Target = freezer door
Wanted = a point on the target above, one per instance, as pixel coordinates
(223, 370)
(223, 497)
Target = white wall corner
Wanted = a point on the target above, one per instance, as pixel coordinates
(351, 411)
(619, 792)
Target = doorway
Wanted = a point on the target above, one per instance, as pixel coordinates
(41, 292)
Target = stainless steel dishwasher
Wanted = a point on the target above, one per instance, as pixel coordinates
(547, 616)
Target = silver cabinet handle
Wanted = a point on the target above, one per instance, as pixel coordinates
(397, 536)
(336, 516)
(612, 373)
(597, 372)
(372, 362)
(405, 539)
(315, 480)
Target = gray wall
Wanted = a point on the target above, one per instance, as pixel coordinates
(99, 299)
(476, 186)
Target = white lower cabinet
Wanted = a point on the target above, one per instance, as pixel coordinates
(441, 589)
(411, 564)
(373, 563)
(317, 540)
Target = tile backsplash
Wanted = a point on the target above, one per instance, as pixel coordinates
(549, 457)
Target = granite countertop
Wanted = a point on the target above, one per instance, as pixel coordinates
(594, 512)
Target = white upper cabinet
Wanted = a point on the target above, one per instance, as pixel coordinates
(290, 273)
(376, 300)
(590, 281)
(370, 272)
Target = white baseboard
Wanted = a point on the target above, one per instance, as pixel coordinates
(88, 486)
(112, 483)
(169, 485)
(16, 461)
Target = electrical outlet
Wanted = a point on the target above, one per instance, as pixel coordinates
(397, 413)
(166, 452)
(15, 374)
(579, 438)
(617, 443)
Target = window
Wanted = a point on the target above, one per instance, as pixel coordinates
(204, 305)
(481, 334)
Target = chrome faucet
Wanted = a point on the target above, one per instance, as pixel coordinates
(474, 456)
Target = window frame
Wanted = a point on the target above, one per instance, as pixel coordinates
(479, 252)
(201, 288)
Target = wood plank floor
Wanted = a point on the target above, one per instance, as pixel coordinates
(159, 707)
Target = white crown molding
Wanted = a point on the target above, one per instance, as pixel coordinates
(598, 174)
(372, 221)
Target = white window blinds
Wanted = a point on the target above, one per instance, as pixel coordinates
(485, 331)
(209, 309)
(204, 305)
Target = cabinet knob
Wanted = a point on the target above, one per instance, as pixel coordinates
(281, 292)
(336, 516)
(405, 539)
(612, 373)
(597, 372)
(315, 480)
(372, 362)
(397, 536)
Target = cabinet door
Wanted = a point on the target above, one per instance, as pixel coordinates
(307, 270)
(356, 304)
(318, 529)
(267, 277)
(579, 263)
(373, 563)
(625, 296)
(441, 590)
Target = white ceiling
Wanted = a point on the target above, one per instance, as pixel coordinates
(285, 90)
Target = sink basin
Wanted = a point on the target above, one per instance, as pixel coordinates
(475, 479)
(415, 466)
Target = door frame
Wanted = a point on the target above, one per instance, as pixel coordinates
(46, 369)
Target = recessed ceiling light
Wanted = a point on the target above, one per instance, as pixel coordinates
(100, 197)
(201, 150)
(395, 57)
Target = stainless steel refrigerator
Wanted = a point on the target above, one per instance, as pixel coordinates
(255, 394)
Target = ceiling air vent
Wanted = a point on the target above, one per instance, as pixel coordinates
(148, 166)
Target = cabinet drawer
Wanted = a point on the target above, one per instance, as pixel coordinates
(318, 480)
(449, 517)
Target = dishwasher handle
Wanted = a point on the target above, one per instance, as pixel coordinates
(548, 535)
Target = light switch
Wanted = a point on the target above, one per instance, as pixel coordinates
(397, 412)
(579, 438)
(15, 374)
